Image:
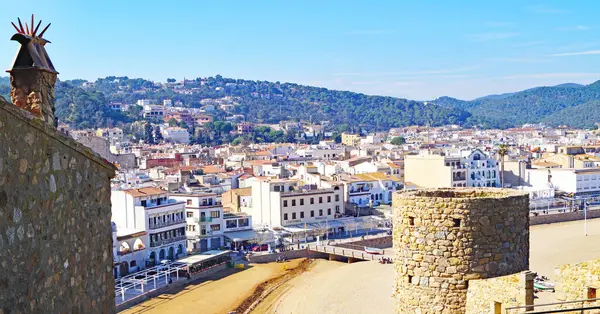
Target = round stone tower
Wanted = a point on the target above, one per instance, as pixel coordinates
(446, 237)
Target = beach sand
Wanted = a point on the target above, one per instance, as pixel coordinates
(363, 287)
(366, 287)
(223, 293)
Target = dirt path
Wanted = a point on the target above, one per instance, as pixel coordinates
(220, 294)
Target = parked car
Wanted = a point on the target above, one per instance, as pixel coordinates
(260, 248)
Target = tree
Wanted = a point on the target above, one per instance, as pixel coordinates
(172, 122)
(158, 137)
(398, 140)
(148, 137)
(337, 139)
(502, 151)
(171, 80)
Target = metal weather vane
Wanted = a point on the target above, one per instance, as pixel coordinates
(30, 31)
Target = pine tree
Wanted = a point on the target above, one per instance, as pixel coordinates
(148, 138)
(158, 137)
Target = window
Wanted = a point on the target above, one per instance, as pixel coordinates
(190, 214)
(284, 203)
(215, 227)
(337, 198)
(285, 217)
(293, 215)
(312, 200)
(189, 202)
(232, 223)
(320, 199)
(215, 214)
(328, 199)
(312, 213)
(591, 293)
(456, 222)
(328, 211)
(320, 212)
(293, 202)
(301, 215)
(337, 209)
(411, 221)
(301, 201)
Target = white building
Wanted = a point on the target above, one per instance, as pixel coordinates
(277, 202)
(167, 103)
(176, 135)
(116, 106)
(482, 171)
(150, 210)
(579, 182)
(129, 250)
(153, 112)
(143, 102)
(204, 218)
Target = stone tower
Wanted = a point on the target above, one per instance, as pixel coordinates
(446, 237)
(32, 76)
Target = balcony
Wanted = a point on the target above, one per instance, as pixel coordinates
(306, 192)
(161, 224)
(167, 241)
(359, 190)
(206, 219)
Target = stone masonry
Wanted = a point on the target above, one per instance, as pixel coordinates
(446, 237)
(55, 230)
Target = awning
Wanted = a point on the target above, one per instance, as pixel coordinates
(239, 236)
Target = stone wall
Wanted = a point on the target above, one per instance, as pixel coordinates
(102, 147)
(269, 258)
(446, 237)
(562, 217)
(55, 230)
(378, 242)
(495, 295)
(573, 281)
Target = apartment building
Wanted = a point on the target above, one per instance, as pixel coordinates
(578, 182)
(204, 219)
(278, 202)
(482, 171)
(350, 139)
(431, 170)
(151, 210)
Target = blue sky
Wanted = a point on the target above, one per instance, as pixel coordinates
(412, 49)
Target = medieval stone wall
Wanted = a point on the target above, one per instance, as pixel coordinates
(574, 281)
(495, 295)
(446, 237)
(55, 230)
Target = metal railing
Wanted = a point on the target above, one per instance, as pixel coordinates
(530, 309)
(166, 241)
(161, 224)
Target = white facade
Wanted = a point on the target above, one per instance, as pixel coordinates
(150, 210)
(129, 250)
(176, 135)
(153, 111)
(168, 103)
(285, 202)
(143, 102)
(482, 171)
(568, 180)
(204, 218)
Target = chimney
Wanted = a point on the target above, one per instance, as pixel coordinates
(32, 76)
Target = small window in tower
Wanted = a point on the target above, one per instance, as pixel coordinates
(411, 221)
(456, 222)
(410, 278)
(591, 293)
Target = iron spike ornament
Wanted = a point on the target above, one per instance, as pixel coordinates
(32, 75)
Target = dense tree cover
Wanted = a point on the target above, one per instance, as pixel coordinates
(272, 102)
(148, 136)
(398, 140)
(570, 104)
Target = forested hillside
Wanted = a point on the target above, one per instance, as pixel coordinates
(570, 104)
(84, 104)
(258, 101)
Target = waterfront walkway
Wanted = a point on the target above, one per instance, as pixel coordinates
(351, 254)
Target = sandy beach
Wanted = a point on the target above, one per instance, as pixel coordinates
(220, 294)
(363, 287)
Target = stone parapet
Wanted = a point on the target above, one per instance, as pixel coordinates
(446, 237)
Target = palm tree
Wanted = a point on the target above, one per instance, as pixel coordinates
(502, 151)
